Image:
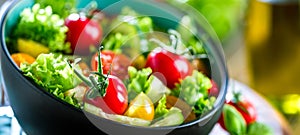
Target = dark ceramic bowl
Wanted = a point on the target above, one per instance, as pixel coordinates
(39, 112)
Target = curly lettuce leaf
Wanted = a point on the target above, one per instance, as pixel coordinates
(52, 73)
(61, 7)
(194, 90)
(41, 25)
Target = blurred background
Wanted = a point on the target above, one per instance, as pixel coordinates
(261, 41)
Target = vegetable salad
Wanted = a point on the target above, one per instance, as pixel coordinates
(134, 74)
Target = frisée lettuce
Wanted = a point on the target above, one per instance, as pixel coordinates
(41, 25)
(53, 73)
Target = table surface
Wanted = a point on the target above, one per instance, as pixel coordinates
(266, 114)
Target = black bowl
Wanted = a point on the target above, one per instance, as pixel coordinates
(39, 112)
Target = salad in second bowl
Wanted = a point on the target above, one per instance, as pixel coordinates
(122, 67)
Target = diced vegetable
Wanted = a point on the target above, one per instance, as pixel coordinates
(157, 89)
(119, 118)
(20, 58)
(186, 109)
(141, 107)
(31, 47)
(173, 118)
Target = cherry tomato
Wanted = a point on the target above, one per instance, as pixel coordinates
(83, 33)
(245, 107)
(173, 67)
(115, 101)
(119, 63)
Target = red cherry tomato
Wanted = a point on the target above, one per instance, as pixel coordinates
(173, 67)
(119, 63)
(246, 109)
(115, 101)
(83, 33)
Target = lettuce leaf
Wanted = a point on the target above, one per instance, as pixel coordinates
(194, 90)
(60, 7)
(53, 73)
(41, 25)
(161, 108)
(139, 81)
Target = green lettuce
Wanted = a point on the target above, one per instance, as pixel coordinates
(41, 25)
(194, 91)
(161, 108)
(61, 7)
(53, 73)
(139, 81)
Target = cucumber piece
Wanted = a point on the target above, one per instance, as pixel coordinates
(94, 110)
(129, 120)
(172, 118)
(157, 90)
(118, 118)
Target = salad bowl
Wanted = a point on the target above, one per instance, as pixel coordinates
(40, 112)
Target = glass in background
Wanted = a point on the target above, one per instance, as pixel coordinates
(272, 38)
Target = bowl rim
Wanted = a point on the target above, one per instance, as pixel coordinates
(8, 6)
